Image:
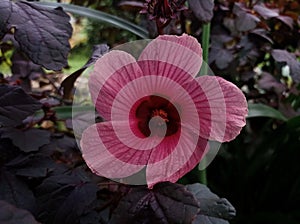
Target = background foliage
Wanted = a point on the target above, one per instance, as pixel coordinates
(254, 44)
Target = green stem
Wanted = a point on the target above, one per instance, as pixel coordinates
(205, 49)
(203, 177)
(205, 45)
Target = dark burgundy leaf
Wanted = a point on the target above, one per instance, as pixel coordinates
(165, 203)
(238, 8)
(214, 208)
(265, 12)
(244, 21)
(28, 140)
(4, 16)
(94, 217)
(262, 33)
(7, 151)
(229, 23)
(24, 68)
(76, 202)
(32, 166)
(51, 101)
(203, 10)
(219, 53)
(219, 40)
(222, 57)
(247, 75)
(62, 149)
(131, 5)
(42, 33)
(98, 52)
(209, 220)
(286, 20)
(268, 82)
(16, 105)
(290, 59)
(248, 53)
(15, 191)
(64, 198)
(68, 84)
(11, 215)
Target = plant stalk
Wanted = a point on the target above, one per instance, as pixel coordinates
(205, 45)
(205, 49)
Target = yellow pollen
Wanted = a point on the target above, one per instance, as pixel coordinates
(161, 113)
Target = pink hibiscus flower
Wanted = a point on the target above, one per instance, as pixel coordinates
(158, 116)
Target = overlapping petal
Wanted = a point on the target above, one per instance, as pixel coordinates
(99, 159)
(236, 110)
(113, 71)
(228, 108)
(186, 155)
(131, 95)
(183, 52)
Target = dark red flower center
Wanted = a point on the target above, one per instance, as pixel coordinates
(156, 116)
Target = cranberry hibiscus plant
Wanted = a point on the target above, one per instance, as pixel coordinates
(157, 118)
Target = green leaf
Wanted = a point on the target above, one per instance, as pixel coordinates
(66, 112)
(100, 16)
(261, 110)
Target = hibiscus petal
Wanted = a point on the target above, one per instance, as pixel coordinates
(201, 150)
(97, 156)
(236, 109)
(184, 52)
(187, 153)
(227, 105)
(111, 72)
(124, 103)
